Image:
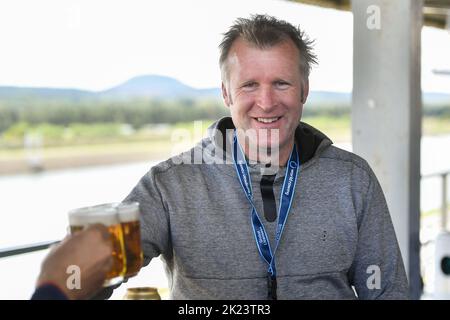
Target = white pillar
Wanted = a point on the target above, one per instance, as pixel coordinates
(386, 111)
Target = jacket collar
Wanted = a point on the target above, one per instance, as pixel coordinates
(308, 139)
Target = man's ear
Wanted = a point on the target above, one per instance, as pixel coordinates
(305, 91)
(225, 95)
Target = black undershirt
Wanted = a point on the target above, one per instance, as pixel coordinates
(268, 197)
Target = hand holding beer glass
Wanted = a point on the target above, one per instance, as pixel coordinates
(122, 221)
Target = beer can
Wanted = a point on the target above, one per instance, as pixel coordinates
(142, 293)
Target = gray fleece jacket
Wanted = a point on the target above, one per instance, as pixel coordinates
(338, 242)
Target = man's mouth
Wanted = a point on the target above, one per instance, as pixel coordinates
(268, 120)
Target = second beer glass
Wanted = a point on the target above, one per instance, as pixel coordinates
(128, 213)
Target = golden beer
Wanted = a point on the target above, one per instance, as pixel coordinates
(104, 214)
(131, 228)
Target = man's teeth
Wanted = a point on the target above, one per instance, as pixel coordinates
(268, 120)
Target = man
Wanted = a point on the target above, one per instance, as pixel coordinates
(90, 251)
(297, 219)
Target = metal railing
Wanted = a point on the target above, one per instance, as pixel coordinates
(14, 251)
(444, 203)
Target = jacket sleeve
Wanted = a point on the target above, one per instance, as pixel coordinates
(154, 215)
(377, 271)
(48, 292)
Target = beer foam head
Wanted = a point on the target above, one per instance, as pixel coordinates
(105, 214)
(128, 211)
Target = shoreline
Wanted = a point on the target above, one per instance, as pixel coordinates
(23, 166)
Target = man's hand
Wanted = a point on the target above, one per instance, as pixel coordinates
(90, 250)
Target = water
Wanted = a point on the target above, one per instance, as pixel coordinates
(34, 208)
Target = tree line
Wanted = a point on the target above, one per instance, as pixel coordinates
(138, 112)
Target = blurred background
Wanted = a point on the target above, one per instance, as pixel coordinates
(93, 92)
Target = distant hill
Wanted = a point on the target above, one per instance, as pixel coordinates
(326, 98)
(158, 87)
(43, 93)
(150, 86)
(433, 98)
(329, 99)
(161, 87)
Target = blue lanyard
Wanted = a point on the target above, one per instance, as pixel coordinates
(287, 195)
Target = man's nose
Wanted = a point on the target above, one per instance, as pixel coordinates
(266, 99)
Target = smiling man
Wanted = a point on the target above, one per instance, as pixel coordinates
(297, 219)
(265, 85)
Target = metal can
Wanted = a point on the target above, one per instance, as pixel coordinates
(142, 293)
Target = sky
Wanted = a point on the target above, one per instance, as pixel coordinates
(95, 45)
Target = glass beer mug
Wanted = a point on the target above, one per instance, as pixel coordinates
(103, 214)
(122, 221)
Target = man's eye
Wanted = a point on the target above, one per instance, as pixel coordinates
(249, 85)
(282, 84)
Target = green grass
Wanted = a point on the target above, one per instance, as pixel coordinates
(432, 213)
(435, 125)
(337, 129)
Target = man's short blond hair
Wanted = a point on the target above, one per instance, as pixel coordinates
(264, 32)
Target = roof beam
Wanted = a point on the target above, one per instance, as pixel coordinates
(435, 11)
(444, 4)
